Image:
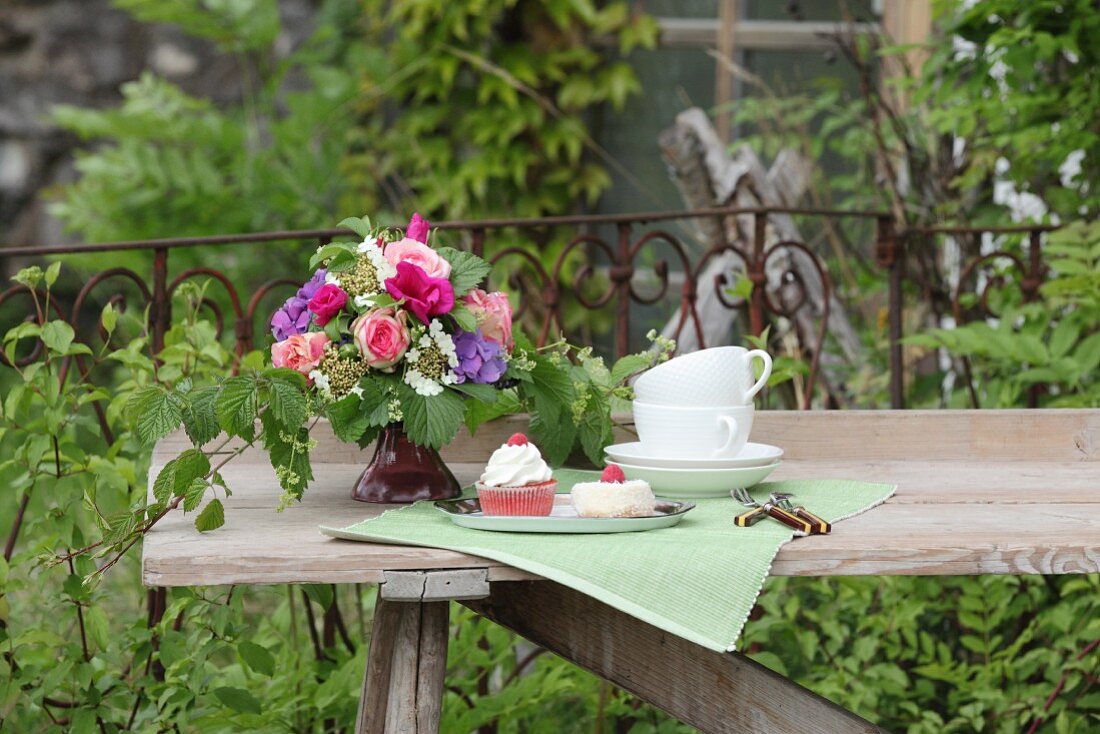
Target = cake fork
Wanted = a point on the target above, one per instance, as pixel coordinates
(745, 519)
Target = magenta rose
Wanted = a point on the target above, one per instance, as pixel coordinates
(494, 316)
(417, 229)
(411, 251)
(328, 301)
(381, 337)
(424, 295)
(300, 352)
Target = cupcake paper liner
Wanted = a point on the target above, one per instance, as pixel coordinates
(532, 499)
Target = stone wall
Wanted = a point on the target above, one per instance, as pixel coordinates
(79, 52)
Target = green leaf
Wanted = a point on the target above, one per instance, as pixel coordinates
(51, 273)
(288, 399)
(57, 336)
(238, 699)
(359, 225)
(348, 418)
(629, 365)
(484, 393)
(478, 412)
(289, 458)
(431, 421)
(200, 418)
(258, 658)
(467, 269)
(464, 318)
(333, 250)
(551, 392)
(109, 318)
(1064, 337)
(237, 405)
(192, 496)
(177, 474)
(97, 626)
(212, 517)
(595, 430)
(154, 413)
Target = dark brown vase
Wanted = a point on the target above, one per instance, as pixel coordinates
(401, 471)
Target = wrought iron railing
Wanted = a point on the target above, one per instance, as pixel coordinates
(543, 291)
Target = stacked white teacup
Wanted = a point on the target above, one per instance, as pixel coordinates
(699, 405)
(694, 415)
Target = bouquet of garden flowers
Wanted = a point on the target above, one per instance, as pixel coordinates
(391, 329)
(392, 321)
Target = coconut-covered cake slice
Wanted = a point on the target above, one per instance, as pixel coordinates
(613, 496)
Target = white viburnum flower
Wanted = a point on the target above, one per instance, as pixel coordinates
(320, 381)
(383, 267)
(431, 362)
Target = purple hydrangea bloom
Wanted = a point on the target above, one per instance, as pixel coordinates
(479, 359)
(306, 291)
(292, 318)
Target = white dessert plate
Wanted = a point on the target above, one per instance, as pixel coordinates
(698, 483)
(754, 454)
(563, 518)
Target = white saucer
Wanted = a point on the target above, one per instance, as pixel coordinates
(698, 483)
(754, 454)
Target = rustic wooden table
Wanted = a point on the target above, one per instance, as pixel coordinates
(979, 492)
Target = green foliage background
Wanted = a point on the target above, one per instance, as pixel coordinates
(471, 108)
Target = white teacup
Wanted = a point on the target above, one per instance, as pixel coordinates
(708, 377)
(693, 433)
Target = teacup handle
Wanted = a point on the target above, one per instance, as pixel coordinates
(767, 360)
(731, 427)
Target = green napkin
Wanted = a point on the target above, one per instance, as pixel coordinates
(698, 579)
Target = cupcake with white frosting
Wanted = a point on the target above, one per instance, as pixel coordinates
(613, 496)
(516, 481)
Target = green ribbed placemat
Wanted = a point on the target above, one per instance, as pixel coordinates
(698, 580)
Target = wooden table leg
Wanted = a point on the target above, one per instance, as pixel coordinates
(406, 666)
(407, 657)
(715, 692)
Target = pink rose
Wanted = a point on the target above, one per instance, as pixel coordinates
(424, 295)
(381, 337)
(494, 316)
(411, 251)
(328, 301)
(300, 352)
(417, 229)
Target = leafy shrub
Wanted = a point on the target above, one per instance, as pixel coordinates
(1048, 348)
(943, 654)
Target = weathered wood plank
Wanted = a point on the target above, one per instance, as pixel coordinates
(463, 583)
(902, 435)
(371, 718)
(402, 699)
(956, 481)
(432, 668)
(923, 539)
(406, 667)
(716, 692)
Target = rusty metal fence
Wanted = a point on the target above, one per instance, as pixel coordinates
(592, 271)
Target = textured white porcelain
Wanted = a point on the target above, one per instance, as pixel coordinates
(693, 433)
(698, 483)
(708, 377)
(753, 454)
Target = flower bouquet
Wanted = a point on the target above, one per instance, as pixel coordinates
(400, 345)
